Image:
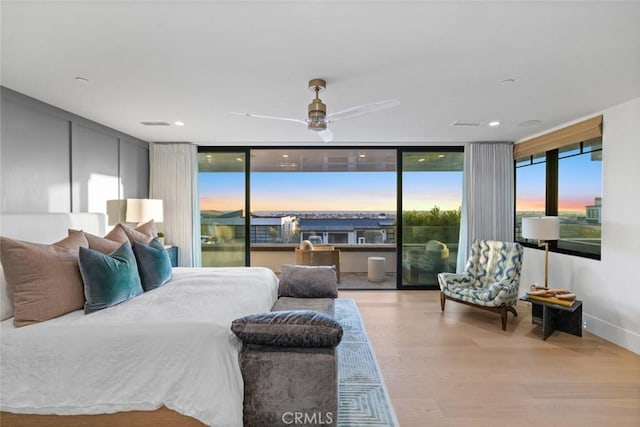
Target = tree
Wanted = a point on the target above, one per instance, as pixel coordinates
(273, 233)
(433, 217)
(420, 227)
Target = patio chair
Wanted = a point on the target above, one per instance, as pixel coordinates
(423, 264)
(319, 255)
(490, 281)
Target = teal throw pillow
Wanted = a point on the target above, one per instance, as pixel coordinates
(108, 279)
(154, 264)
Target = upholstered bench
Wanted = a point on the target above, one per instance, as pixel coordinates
(288, 358)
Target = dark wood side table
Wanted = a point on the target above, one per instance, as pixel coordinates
(173, 255)
(554, 317)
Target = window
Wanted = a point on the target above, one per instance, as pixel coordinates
(565, 179)
(221, 184)
(530, 194)
(579, 197)
(431, 207)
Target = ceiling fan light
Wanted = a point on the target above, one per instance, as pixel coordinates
(317, 109)
(317, 118)
(317, 125)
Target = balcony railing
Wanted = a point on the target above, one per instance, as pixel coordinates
(353, 258)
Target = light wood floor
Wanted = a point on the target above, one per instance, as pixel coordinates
(458, 368)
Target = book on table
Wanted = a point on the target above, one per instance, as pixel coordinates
(552, 300)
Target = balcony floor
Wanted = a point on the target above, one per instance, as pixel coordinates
(359, 281)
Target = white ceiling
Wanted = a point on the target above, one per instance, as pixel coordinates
(196, 61)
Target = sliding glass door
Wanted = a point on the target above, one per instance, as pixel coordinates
(431, 200)
(221, 181)
(330, 196)
(343, 199)
(402, 204)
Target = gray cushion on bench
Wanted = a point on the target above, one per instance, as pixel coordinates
(303, 281)
(298, 328)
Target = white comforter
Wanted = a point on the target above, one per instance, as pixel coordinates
(172, 346)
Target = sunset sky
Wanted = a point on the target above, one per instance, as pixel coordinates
(579, 182)
(376, 191)
(331, 191)
(323, 191)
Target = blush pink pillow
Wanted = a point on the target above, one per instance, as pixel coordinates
(43, 280)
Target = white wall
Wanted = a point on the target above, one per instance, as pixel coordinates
(609, 288)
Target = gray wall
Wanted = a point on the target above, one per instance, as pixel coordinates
(55, 161)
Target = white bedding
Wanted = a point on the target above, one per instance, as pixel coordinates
(172, 346)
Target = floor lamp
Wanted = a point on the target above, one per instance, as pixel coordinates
(542, 229)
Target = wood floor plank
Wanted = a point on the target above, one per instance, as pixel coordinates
(458, 368)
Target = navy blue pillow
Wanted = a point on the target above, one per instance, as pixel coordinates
(108, 279)
(154, 264)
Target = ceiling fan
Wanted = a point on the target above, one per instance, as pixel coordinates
(318, 119)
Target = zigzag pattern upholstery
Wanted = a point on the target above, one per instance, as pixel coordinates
(491, 278)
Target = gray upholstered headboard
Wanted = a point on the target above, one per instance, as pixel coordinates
(49, 227)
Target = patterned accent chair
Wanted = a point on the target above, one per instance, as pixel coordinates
(490, 281)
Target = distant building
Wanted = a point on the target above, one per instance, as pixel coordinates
(273, 229)
(224, 227)
(594, 212)
(349, 230)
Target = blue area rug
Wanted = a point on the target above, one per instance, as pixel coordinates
(362, 396)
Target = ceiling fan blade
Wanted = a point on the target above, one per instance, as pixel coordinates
(360, 110)
(326, 135)
(260, 116)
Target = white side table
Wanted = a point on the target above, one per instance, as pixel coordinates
(376, 269)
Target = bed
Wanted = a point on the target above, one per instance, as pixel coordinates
(165, 357)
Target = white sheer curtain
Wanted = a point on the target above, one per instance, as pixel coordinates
(487, 196)
(173, 177)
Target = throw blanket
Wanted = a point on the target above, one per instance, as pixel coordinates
(171, 346)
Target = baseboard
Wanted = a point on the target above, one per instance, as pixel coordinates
(613, 333)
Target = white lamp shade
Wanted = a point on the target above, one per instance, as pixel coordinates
(541, 227)
(144, 210)
(116, 211)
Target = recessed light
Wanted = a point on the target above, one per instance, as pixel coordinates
(238, 159)
(508, 81)
(285, 156)
(528, 123)
(155, 123)
(421, 160)
(494, 123)
(440, 156)
(465, 123)
(178, 123)
(82, 80)
(362, 155)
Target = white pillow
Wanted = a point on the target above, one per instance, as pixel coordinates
(6, 305)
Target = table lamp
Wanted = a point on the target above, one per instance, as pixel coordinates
(542, 229)
(116, 211)
(144, 210)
